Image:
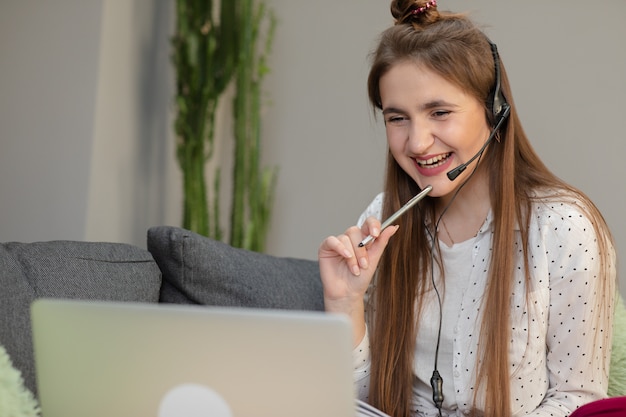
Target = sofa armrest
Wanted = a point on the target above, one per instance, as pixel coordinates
(66, 269)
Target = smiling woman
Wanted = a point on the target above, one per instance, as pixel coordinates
(495, 316)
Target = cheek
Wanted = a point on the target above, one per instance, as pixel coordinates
(397, 146)
(396, 139)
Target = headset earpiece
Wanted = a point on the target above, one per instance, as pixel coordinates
(499, 106)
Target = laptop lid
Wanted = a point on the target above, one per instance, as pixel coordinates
(129, 359)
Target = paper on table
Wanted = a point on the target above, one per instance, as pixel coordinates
(363, 409)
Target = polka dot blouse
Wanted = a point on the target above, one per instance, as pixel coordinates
(560, 346)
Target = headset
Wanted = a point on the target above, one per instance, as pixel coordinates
(500, 109)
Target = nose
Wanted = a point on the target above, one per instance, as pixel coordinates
(419, 139)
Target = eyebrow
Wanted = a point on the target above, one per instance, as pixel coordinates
(391, 110)
(436, 103)
(433, 104)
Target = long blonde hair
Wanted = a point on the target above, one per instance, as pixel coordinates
(452, 46)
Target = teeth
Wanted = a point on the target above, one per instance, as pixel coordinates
(433, 162)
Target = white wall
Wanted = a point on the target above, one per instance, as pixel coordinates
(48, 73)
(85, 112)
(134, 181)
(566, 63)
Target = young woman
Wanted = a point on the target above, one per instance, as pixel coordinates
(494, 295)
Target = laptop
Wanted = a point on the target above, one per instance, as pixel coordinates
(158, 360)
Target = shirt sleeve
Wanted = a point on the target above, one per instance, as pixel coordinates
(374, 209)
(579, 331)
(361, 353)
(361, 361)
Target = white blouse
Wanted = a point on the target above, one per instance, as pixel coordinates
(560, 349)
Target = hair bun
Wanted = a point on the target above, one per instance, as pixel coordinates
(416, 12)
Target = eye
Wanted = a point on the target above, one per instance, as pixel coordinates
(396, 120)
(440, 114)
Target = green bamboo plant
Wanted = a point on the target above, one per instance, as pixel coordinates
(214, 45)
(253, 186)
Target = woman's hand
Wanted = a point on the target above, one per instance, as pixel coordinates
(347, 269)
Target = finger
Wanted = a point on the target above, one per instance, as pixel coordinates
(351, 261)
(372, 227)
(377, 248)
(333, 246)
(360, 253)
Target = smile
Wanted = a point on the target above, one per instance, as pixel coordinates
(434, 161)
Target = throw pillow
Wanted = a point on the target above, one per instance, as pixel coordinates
(617, 371)
(200, 270)
(15, 399)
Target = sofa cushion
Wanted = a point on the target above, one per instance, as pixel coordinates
(66, 269)
(200, 270)
(15, 298)
(617, 372)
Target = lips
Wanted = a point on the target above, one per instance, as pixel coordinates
(433, 162)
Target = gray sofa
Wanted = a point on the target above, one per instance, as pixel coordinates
(178, 267)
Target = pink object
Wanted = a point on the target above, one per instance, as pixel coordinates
(608, 407)
(424, 7)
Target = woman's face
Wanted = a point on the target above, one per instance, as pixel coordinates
(432, 125)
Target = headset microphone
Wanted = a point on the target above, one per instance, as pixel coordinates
(505, 110)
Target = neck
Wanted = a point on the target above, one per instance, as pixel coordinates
(465, 213)
(473, 198)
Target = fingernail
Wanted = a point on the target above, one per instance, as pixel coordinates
(356, 270)
(363, 263)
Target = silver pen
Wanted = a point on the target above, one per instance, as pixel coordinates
(398, 213)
